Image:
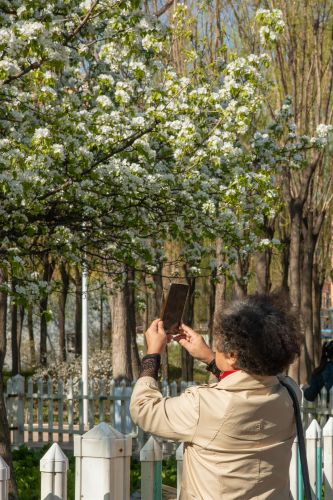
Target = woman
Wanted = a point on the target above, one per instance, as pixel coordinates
(322, 375)
(238, 432)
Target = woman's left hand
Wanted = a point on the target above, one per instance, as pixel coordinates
(156, 337)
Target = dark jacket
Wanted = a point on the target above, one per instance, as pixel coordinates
(318, 381)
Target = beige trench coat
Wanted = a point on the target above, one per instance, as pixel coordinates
(238, 435)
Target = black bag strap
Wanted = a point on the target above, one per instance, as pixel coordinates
(300, 436)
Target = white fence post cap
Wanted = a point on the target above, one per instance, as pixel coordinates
(151, 451)
(328, 427)
(103, 441)
(180, 452)
(313, 431)
(4, 470)
(54, 460)
(102, 431)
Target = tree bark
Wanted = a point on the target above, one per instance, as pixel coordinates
(211, 306)
(285, 264)
(186, 358)
(78, 312)
(31, 336)
(5, 448)
(62, 310)
(263, 264)
(158, 302)
(241, 269)
(14, 342)
(318, 283)
(309, 243)
(131, 323)
(121, 343)
(220, 289)
(43, 302)
(295, 209)
(21, 314)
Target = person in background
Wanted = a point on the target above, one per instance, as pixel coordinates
(238, 432)
(322, 376)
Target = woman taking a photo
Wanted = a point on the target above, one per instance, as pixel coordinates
(238, 432)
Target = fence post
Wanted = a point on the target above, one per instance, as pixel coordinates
(151, 470)
(18, 409)
(53, 468)
(122, 394)
(313, 452)
(4, 478)
(328, 458)
(179, 458)
(102, 464)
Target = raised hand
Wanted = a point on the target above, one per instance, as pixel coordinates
(195, 344)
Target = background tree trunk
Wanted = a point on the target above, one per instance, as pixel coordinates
(62, 310)
(5, 448)
(306, 307)
(31, 336)
(158, 303)
(241, 270)
(14, 342)
(318, 283)
(294, 271)
(43, 303)
(220, 289)
(21, 315)
(121, 342)
(131, 323)
(186, 358)
(78, 312)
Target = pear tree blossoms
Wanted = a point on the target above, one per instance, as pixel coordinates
(106, 151)
(103, 147)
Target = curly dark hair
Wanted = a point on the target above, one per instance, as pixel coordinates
(263, 333)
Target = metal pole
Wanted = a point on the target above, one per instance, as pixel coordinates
(85, 343)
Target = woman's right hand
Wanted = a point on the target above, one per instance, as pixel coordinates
(195, 344)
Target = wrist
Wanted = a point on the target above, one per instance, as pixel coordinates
(153, 351)
(208, 358)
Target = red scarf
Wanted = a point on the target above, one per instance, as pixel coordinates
(226, 373)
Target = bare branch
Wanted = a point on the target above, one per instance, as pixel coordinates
(163, 9)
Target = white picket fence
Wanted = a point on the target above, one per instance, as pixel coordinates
(103, 459)
(42, 412)
(51, 412)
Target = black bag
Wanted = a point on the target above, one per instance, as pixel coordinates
(300, 436)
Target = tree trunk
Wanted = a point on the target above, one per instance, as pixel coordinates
(211, 307)
(5, 448)
(158, 302)
(220, 289)
(21, 314)
(295, 208)
(131, 323)
(306, 304)
(47, 275)
(62, 310)
(187, 359)
(31, 336)
(13, 310)
(121, 343)
(240, 284)
(263, 264)
(318, 283)
(78, 312)
(101, 318)
(285, 264)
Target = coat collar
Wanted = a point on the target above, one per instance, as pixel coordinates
(241, 380)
